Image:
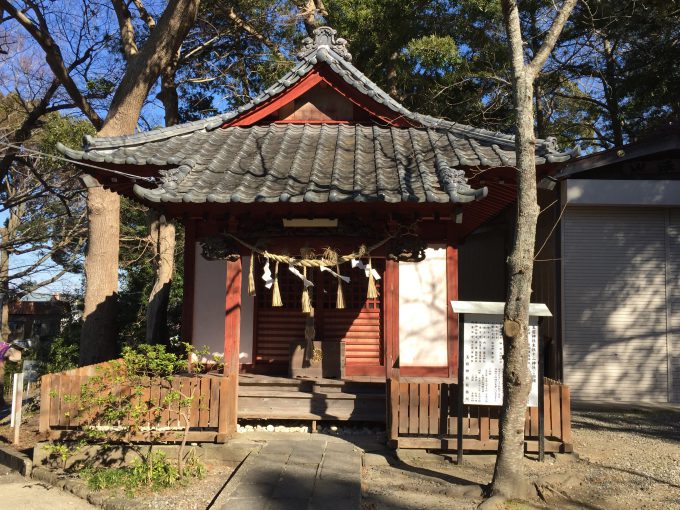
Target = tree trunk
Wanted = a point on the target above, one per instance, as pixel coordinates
(162, 235)
(98, 340)
(311, 10)
(508, 479)
(4, 292)
(99, 333)
(98, 337)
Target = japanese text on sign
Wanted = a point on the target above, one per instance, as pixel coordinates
(483, 362)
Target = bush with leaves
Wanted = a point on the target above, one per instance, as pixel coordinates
(129, 398)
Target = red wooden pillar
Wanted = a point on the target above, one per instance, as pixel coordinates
(452, 295)
(391, 339)
(232, 335)
(391, 321)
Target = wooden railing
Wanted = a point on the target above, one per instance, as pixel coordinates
(62, 414)
(422, 414)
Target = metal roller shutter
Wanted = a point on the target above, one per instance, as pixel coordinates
(673, 248)
(614, 303)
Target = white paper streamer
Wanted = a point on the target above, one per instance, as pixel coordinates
(267, 275)
(328, 270)
(366, 267)
(297, 273)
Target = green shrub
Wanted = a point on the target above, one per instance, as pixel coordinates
(154, 471)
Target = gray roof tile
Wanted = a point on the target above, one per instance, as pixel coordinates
(313, 163)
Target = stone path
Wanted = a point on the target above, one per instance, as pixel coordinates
(297, 475)
(19, 493)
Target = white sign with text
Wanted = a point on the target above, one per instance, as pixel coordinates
(483, 360)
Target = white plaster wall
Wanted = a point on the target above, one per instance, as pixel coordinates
(210, 287)
(209, 303)
(422, 310)
(247, 316)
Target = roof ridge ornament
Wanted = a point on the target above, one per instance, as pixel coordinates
(325, 36)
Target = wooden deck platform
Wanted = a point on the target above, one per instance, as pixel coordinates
(283, 398)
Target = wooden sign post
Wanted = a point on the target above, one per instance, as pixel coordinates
(480, 360)
(17, 404)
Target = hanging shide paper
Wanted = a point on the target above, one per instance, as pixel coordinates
(366, 268)
(276, 294)
(267, 275)
(372, 292)
(306, 304)
(251, 275)
(300, 275)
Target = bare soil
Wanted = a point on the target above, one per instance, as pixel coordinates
(625, 460)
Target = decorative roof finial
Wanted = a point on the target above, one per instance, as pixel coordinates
(325, 36)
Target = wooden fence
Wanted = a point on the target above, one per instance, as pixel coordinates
(422, 413)
(63, 415)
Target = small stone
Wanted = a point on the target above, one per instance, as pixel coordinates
(270, 428)
(334, 428)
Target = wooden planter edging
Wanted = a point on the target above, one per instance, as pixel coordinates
(422, 414)
(209, 414)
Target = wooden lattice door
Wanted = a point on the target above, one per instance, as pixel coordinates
(359, 325)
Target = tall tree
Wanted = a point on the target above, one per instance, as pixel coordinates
(508, 477)
(144, 65)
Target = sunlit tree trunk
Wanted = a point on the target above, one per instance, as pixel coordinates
(508, 478)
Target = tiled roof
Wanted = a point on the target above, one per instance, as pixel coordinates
(330, 162)
(312, 163)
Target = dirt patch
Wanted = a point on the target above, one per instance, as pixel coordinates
(626, 460)
(195, 494)
(28, 433)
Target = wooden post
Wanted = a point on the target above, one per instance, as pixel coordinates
(232, 337)
(391, 342)
(541, 402)
(459, 406)
(44, 423)
(18, 405)
(452, 295)
(566, 414)
(14, 400)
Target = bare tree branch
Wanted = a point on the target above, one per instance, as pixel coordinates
(127, 31)
(54, 58)
(551, 37)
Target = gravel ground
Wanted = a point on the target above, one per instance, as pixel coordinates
(196, 495)
(627, 460)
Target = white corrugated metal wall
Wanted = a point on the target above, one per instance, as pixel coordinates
(621, 303)
(673, 291)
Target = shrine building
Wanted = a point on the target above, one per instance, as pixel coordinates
(323, 222)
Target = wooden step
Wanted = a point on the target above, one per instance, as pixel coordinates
(286, 408)
(331, 395)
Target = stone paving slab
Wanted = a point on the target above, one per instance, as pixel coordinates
(297, 475)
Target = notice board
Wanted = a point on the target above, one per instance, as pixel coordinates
(483, 360)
